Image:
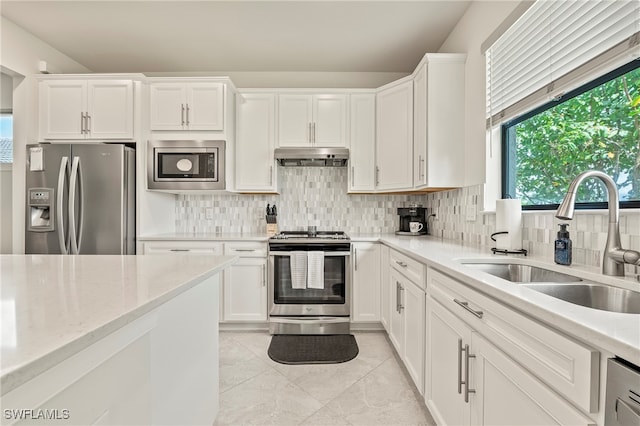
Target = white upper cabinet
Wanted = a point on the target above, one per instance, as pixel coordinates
(312, 120)
(439, 121)
(255, 140)
(362, 152)
(394, 141)
(86, 109)
(187, 106)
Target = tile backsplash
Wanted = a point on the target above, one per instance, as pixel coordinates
(318, 196)
(308, 196)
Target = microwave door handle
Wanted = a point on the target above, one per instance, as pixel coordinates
(62, 234)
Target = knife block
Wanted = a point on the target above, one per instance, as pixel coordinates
(272, 229)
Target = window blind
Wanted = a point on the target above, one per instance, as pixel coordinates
(555, 46)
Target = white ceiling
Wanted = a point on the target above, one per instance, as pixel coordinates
(251, 36)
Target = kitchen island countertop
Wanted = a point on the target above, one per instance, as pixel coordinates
(53, 306)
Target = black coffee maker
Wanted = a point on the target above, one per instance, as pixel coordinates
(412, 215)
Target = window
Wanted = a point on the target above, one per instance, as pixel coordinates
(6, 137)
(596, 126)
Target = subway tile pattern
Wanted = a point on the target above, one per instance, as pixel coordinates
(307, 196)
(318, 196)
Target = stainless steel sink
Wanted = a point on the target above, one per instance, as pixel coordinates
(519, 273)
(565, 287)
(592, 295)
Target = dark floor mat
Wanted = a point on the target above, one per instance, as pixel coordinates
(313, 349)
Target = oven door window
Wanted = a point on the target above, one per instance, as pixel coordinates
(334, 283)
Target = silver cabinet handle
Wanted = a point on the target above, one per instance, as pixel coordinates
(245, 250)
(397, 297)
(88, 122)
(465, 305)
(424, 167)
(377, 175)
(179, 250)
(401, 299)
(404, 265)
(187, 114)
(460, 382)
(467, 390)
(264, 276)
(182, 113)
(353, 176)
(270, 175)
(314, 133)
(82, 123)
(309, 138)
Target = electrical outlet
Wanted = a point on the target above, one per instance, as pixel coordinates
(208, 213)
(471, 213)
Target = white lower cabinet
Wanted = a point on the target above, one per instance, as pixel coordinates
(406, 324)
(245, 283)
(365, 306)
(471, 381)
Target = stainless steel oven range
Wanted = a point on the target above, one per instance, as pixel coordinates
(304, 302)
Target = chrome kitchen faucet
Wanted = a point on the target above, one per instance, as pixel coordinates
(614, 255)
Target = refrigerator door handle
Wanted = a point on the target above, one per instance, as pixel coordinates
(75, 235)
(62, 237)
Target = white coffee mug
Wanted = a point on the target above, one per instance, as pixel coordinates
(415, 226)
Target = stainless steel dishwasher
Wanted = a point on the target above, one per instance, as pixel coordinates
(622, 406)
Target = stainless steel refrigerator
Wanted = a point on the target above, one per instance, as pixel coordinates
(80, 199)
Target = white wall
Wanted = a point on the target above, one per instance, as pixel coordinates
(283, 79)
(6, 92)
(20, 53)
(477, 24)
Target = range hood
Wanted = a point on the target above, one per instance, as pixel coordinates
(312, 157)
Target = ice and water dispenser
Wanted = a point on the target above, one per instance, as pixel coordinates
(40, 205)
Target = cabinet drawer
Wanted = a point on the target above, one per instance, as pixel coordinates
(177, 247)
(565, 364)
(246, 249)
(409, 267)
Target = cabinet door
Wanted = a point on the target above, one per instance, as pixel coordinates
(507, 394)
(110, 109)
(329, 120)
(420, 124)
(413, 300)
(394, 143)
(362, 148)
(255, 166)
(444, 366)
(396, 316)
(168, 106)
(366, 282)
(295, 117)
(205, 106)
(245, 290)
(62, 104)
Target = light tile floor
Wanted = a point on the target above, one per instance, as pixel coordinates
(372, 389)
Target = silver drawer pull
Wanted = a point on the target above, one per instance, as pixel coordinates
(180, 250)
(404, 265)
(245, 250)
(465, 305)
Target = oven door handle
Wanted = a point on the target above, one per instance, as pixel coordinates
(326, 253)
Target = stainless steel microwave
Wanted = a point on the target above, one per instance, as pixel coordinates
(186, 165)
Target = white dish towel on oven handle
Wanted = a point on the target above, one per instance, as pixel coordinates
(315, 269)
(298, 262)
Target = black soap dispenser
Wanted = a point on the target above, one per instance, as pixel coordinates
(563, 246)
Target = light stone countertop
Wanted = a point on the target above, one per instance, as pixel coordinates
(53, 306)
(190, 236)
